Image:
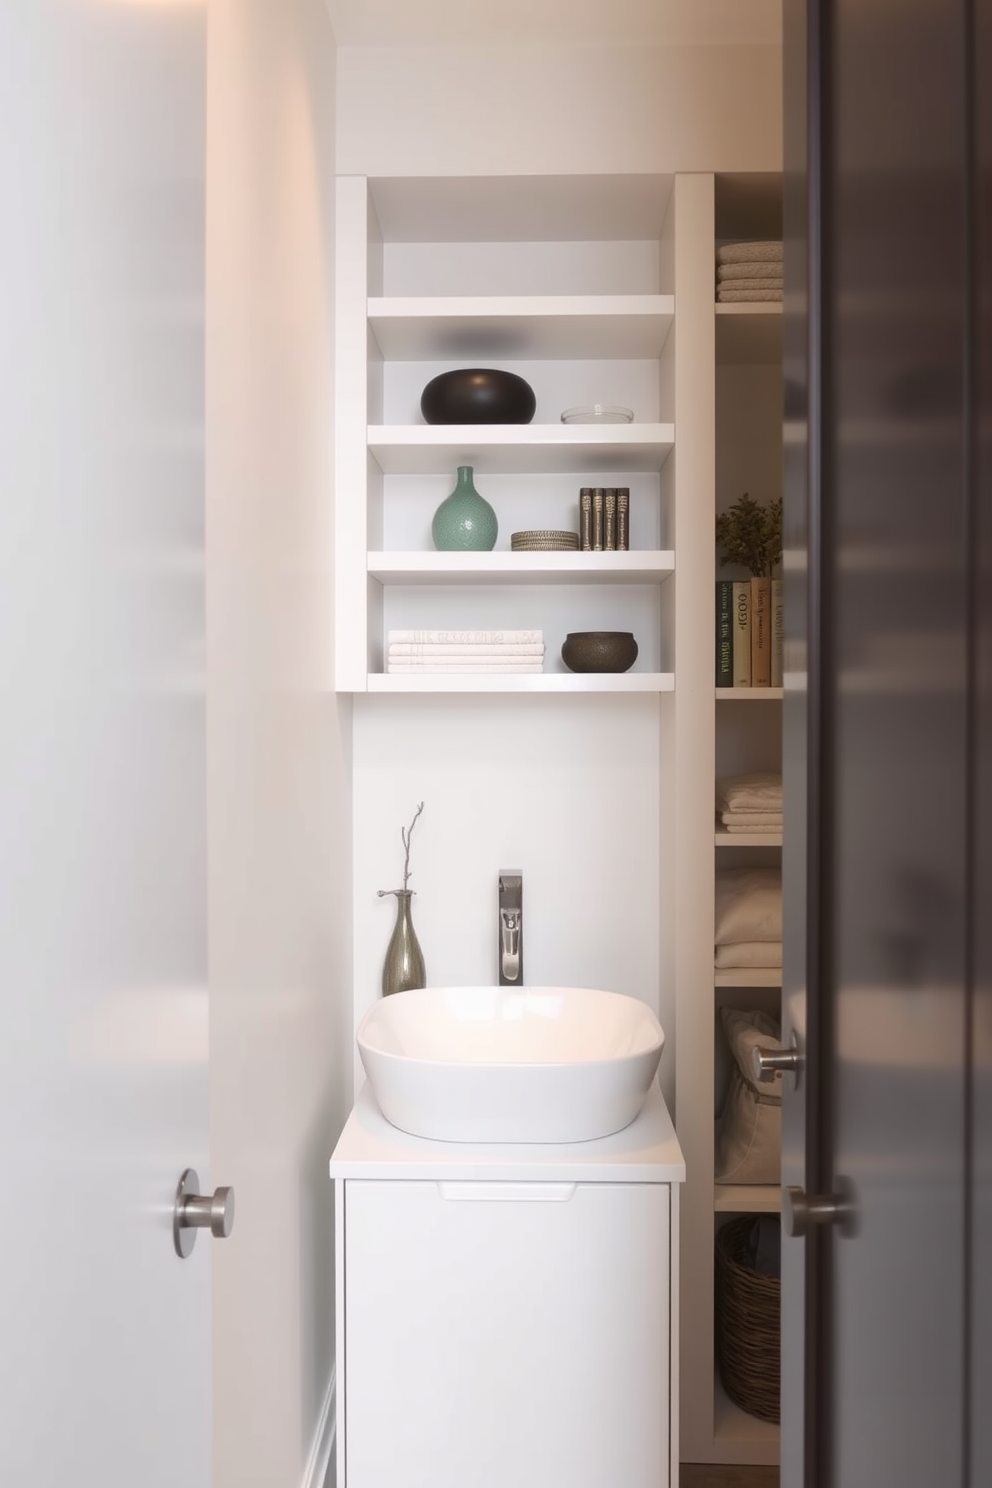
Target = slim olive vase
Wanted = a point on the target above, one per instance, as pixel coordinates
(403, 968)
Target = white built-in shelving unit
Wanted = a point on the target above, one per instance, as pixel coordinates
(744, 733)
(593, 289)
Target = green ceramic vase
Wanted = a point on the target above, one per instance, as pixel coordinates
(403, 968)
(464, 522)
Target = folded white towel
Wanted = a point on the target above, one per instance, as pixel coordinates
(759, 790)
(751, 818)
(747, 905)
(767, 281)
(742, 296)
(411, 651)
(466, 637)
(767, 268)
(463, 665)
(743, 953)
(761, 251)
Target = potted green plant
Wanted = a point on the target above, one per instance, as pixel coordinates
(750, 535)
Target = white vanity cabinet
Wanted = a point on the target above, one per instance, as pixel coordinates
(507, 1314)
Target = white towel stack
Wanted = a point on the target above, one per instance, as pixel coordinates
(454, 651)
(746, 272)
(748, 918)
(750, 803)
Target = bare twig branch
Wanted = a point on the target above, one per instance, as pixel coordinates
(406, 835)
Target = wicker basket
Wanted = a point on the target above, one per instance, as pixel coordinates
(747, 1324)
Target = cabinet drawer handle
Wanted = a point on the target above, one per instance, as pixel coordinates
(507, 1193)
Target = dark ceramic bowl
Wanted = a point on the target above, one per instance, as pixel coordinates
(599, 651)
(478, 395)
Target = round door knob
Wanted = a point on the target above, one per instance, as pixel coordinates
(801, 1211)
(767, 1063)
(195, 1211)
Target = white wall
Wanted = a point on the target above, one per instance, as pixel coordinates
(279, 796)
(557, 109)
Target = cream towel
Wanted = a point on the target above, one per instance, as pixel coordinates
(747, 905)
(443, 668)
(761, 251)
(407, 650)
(757, 827)
(740, 285)
(751, 818)
(760, 790)
(466, 637)
(740, 296)
(745, 953)
(760, 269)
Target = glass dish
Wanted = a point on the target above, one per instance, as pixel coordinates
(598, 413)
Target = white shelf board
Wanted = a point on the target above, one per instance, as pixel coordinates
(747, 1198)
(516, 449)
(740, 1437)
(749, 976)
(523, 682)
(749, 334)
(748, 694)
(521, 327)
(723, 838)
(521, 568)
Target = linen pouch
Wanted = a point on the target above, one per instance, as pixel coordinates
(749, 1128)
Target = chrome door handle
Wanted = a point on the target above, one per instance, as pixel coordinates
(194, 1211)
(801, 1211)
(767, 1063)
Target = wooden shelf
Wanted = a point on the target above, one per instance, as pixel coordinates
(748, 694)
(523, 682)
(746, 1198)
(522, 327)
(723, 838)
(749, 976)
(517, 449)
(521, 568)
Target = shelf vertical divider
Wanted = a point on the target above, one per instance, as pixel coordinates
(689, 869)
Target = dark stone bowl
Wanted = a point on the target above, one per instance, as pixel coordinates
(599, 651)
(478, 395)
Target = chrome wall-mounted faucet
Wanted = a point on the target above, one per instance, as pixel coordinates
(511, 945)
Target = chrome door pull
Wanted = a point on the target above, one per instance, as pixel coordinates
(767, 1063)
(195, 1211)
(801, 1211)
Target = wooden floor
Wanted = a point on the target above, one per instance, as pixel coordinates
(707, 1475)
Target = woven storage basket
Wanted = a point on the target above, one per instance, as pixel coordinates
(747, 1324)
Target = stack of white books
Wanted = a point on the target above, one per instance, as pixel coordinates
(451, 651)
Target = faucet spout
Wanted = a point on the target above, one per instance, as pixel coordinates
(511, 960)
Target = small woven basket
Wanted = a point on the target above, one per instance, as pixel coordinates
(747, 1324)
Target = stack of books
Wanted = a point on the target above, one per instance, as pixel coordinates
(444, 651)
(749, 632)
(604, 519)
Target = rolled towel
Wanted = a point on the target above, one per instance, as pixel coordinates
(747, 905)
(737, 296)
(748, 953)
(759, 790)
(759, 269)
(766, 250)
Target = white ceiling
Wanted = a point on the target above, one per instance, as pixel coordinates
(555, 22)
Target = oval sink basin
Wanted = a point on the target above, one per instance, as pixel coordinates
(491, 1064)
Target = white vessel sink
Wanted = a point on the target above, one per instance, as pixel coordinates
(491, 1064)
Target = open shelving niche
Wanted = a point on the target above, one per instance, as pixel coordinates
(441, 274)
(744, 733)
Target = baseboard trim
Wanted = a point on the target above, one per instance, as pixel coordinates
(322, 1451)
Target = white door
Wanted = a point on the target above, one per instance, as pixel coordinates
(104, 1346)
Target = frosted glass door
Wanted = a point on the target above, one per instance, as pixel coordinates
(506, 1333)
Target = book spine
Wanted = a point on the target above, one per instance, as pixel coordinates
(585, 519)
(724, 633)
(610, 519)
(778, 632)
(761, 632)
(742, 633)
(597, 519)
(623, 519)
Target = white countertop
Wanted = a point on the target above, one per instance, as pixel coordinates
(647, 1151)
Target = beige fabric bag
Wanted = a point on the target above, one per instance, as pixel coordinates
(749, 1128)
